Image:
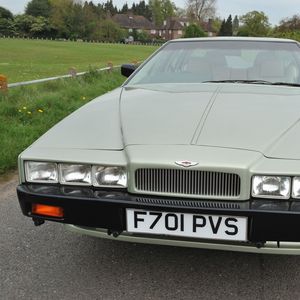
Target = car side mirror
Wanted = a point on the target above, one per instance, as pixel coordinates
(127, 69)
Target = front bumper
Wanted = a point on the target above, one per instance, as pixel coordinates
(89, 209)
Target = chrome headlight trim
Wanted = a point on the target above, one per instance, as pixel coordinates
(296, 188)
(86, 176)
(53, 168)
(117, 174)
(267, 184)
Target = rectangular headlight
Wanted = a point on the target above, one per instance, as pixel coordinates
(75, 174)
(110, 176)
(276, 187)
(42, 172)
(296, 188)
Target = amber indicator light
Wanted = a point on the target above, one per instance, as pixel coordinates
(47, 210)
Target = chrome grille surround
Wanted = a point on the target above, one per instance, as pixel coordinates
(187, 182)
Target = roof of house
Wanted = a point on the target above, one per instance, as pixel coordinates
(175, 23)
(132, 21)
(172, 24)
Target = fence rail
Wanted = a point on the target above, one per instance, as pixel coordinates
(16, 84)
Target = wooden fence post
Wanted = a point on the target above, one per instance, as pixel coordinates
(3, 83)
(110, 66)
(72, 72)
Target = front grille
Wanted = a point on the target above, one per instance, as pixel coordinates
(188, 182)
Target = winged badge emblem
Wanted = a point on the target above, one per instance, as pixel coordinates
(186, 163)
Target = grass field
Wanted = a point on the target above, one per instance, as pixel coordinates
(27, 112)
(22, 60)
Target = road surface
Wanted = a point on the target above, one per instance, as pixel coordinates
(48, 262)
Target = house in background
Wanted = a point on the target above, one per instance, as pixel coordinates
(172, 28)
(208, 28)
(133, 22)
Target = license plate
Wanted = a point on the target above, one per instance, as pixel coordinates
(187, 225)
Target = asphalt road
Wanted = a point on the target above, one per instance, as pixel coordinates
(48, 262)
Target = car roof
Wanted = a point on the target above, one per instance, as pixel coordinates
(231, 38)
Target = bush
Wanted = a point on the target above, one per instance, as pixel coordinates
(194, 30)
(294, 35)
(110, 31)
(142, 36)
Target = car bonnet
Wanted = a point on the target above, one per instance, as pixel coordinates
(259, 118)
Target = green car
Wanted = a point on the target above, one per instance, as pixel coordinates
(198, 148)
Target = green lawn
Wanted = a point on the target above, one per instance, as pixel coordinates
(22, 60)
(29, 111)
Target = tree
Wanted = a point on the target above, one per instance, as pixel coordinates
(124, 9)
(235, 25)
(110, 31)
(289, 24)
(141, 9)
(226, 27)
(229, 30)
(40, 27)
(5, 13)
(161, 10)
(38, 8)
(79, 19)
(110, 8)
(288, 28)
(29, 26)
(156, 12)
(23, 24)
(100, 11)
(61, 18)
(194, 30)
(201, 10)
(87, 20)
(167, 9)
(7, 27)
(180, 12)
(216, 24)
(254, 23)
(222, 28)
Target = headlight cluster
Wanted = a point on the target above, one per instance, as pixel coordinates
(76, 174)
(276, 187)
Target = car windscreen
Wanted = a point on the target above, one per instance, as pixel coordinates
(221, 60)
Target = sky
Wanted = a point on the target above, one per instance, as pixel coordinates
(275, 9)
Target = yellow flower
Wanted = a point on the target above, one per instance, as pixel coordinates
(29, 112)
(20, 110)
(83, 98)
(40, 111)
(24, 107)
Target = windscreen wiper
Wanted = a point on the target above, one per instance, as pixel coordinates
(252, 81)
(286, 83)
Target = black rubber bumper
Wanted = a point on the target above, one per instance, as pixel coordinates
(268, 220)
